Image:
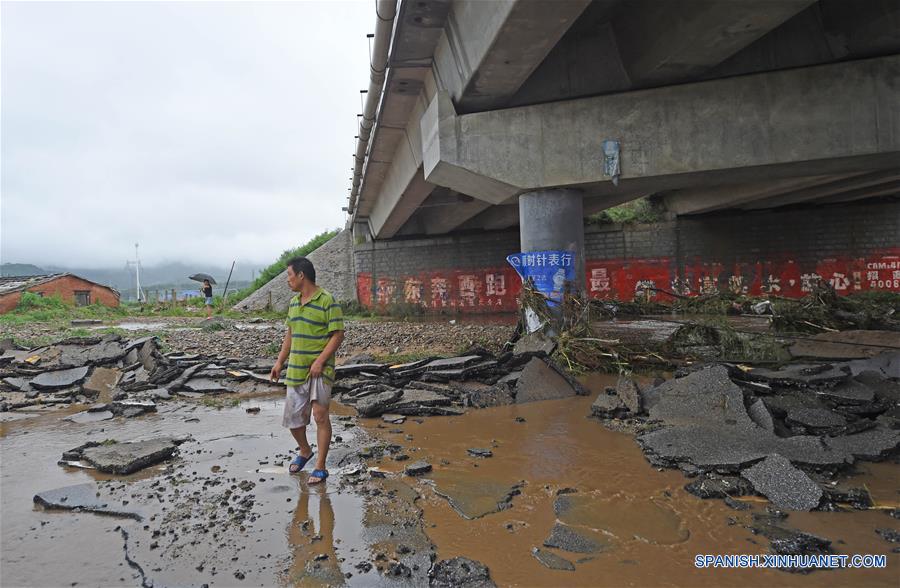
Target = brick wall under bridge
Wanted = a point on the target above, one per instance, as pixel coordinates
(855, 247)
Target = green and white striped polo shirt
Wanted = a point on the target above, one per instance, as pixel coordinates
(311, 326)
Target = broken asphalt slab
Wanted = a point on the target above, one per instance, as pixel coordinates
(377, 404)
(852, 392)
(550, 560)
(732, 448)
(784, 485)
(887, 364)
(607, 405)
(761, 415)
(703, 397)
(453, 363)
(816, 418)
(460, 572)
(872, 444)
(473, 498)
(60, 378)
(205, 385)
(538, 381)
(81, 497)
(418, 468)
(126, 458)
(785, 541)
(535, 343)
(106, 351)
(479, 395)
(801, 374)
(646, 520)
(89, 416)
(630, 394)
(845, 345)
(569, 539)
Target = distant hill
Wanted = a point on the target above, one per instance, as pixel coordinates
(20, 269)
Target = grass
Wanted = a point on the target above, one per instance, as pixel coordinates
(54, 311)
(44, 309)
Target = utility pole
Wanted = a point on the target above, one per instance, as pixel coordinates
(137, 275)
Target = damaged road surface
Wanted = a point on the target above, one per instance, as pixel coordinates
(479, 470)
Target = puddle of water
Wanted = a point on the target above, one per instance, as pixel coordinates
(658, 527)
(48, 548)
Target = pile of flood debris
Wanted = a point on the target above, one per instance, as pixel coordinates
(781, 433)
(121, 376)
(447, 386)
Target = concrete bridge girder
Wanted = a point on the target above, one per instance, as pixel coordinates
(707, 199)
(489, 49)
(830, 119)
(661, 42)
(864, 181)
(885, 189)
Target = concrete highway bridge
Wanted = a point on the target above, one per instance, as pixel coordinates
(487, 115)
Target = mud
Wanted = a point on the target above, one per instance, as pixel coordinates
(596, 482)
(224, 511)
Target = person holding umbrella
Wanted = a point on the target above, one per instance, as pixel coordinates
(207, 294)
(207, 290)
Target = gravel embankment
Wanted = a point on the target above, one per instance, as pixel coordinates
(236, 338)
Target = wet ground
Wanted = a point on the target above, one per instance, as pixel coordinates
(226, 512)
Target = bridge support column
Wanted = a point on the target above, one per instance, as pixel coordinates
(553, 219)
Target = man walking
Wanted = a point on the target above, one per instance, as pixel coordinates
(315, 330)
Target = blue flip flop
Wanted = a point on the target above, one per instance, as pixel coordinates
(320, 475)
(300, 462)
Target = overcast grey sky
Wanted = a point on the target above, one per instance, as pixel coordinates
(206, 131)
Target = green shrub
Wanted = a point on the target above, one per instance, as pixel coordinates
(31, 301)
(642, 210)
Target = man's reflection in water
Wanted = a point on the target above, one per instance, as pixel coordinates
(311, 537)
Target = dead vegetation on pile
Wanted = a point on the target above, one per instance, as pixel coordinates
(580, 347)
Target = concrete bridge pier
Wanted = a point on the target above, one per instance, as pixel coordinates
(553, 219)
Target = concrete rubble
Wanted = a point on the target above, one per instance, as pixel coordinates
(122, 458)
(568, 539)
(550, 560)
(460, 572)
(82, 497)
(447, 386)
(785, 433)
(128, 376)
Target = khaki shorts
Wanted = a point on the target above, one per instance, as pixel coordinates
(298, 402)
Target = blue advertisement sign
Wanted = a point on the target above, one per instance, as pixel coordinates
(549, 270)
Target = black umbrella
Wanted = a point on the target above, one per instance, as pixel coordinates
(201, 277)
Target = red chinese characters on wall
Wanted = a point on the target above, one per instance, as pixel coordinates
(624, 279)
(473, 290)
(496, 289)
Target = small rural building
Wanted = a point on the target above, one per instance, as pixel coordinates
(69, 287)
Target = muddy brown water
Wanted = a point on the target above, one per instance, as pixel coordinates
(650, 526)
(654, 527)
